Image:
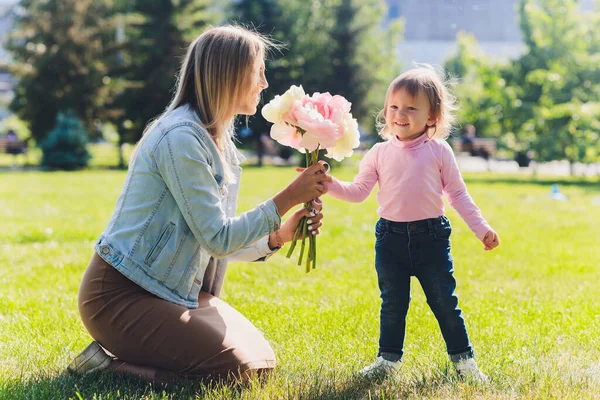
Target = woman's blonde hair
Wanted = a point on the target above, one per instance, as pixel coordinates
(434, 84)
(215, 74)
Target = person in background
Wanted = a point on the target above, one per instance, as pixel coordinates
(466, 141)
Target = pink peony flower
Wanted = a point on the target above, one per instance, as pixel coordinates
(330, 107)
(287, 135)
(318, 131)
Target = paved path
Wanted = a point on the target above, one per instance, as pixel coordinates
(560, 168)
(476, 164)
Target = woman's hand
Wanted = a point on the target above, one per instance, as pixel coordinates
(307, 186)
(325, 182)
(288, 228)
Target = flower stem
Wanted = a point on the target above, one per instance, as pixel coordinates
(314, 263)
(309, 255)
(304, 230)
(314, 237)
(295, 238)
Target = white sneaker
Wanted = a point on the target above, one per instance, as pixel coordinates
(467, 369)
(380, 367)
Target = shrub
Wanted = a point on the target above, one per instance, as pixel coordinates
(65, 146)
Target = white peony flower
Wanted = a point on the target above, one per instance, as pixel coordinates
(274, 111)
(345, 146)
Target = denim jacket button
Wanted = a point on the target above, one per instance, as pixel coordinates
(105, 250)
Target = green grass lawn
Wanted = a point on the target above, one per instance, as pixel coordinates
(532, 306)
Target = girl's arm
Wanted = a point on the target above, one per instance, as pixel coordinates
(358, 190)
(456, 192)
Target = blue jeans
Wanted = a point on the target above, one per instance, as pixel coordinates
(421, 249)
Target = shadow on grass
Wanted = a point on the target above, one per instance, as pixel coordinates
(358, 387)
(111, 386)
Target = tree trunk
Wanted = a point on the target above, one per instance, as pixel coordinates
(121, 159)
(572, 167)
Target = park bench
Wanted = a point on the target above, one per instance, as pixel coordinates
(14, 147)
(482, 147)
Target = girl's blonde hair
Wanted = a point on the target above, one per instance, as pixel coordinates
(215, 74)
(434, 84)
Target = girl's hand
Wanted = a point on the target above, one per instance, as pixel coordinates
(491, 240)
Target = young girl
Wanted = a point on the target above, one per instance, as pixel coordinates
(414, 167)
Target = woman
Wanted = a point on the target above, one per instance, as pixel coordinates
(141, 296)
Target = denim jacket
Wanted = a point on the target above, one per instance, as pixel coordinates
(175, 214)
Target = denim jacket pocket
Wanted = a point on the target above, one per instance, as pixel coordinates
(160, 244)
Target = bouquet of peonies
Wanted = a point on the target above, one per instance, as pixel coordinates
(309, 124)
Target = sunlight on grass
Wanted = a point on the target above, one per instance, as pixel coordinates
(531, 307)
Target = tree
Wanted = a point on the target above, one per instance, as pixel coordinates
(58, 47)
(364, 57)
(258, 14)
(336, 46)
(561, 70)
(482, 89)
(298, 27)
(157, 35)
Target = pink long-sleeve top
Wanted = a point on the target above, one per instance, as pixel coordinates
(412, 176)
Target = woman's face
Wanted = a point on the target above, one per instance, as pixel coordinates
(258, 82)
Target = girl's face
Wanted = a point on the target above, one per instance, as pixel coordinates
(258, 82)
(407, 117)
